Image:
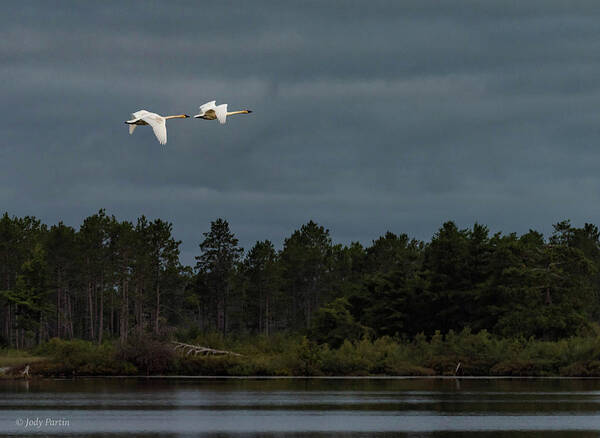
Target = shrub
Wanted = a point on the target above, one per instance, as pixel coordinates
(524, 368)
(78, 357)
(582, 369)
(305, 359)
(333, 324)
(148, 355)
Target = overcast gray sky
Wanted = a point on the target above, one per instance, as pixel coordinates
(368, 116)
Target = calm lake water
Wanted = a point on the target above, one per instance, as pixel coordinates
(186, 407)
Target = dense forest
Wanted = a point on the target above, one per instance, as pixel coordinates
(110, 280)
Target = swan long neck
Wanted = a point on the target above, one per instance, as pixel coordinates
(178, 116)
(232, 113)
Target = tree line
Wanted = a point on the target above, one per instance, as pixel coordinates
(112, 279)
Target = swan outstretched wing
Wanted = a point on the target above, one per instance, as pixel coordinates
(136, 117)
(207, 106)
(158, 126)
(139, 114)
(221, 113)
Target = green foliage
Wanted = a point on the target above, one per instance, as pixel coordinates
(479, 354)
(508, 285)
(582, 369)
(147, 354)
(216, 269)
(524, 368)
(333, 324)
(306, 262)
(80, 357)
(31, 290)
(262, 278)
(503, 303)
(18, 358)
(306, 358)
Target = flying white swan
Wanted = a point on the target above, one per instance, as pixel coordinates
(212, 111)
(158, 123)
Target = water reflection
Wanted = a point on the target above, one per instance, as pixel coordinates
(301, 407)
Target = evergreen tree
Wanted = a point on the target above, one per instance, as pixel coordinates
(391, 299)
(93, 248)
(263, 282)
(164, 252)
(122, 249)
(306, 264)
(62, 268)
(217, 263)
(31, 297)
(18, 238)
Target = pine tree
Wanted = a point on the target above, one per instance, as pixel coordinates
(263, 282)
(306, 262)
(220, 254)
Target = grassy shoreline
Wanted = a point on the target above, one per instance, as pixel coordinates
(18, 358)
(479, 355)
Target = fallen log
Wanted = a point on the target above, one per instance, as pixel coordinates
(198, 349)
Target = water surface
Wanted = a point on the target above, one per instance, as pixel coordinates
(253, 407)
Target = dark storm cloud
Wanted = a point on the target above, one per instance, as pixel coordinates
(368, 116)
